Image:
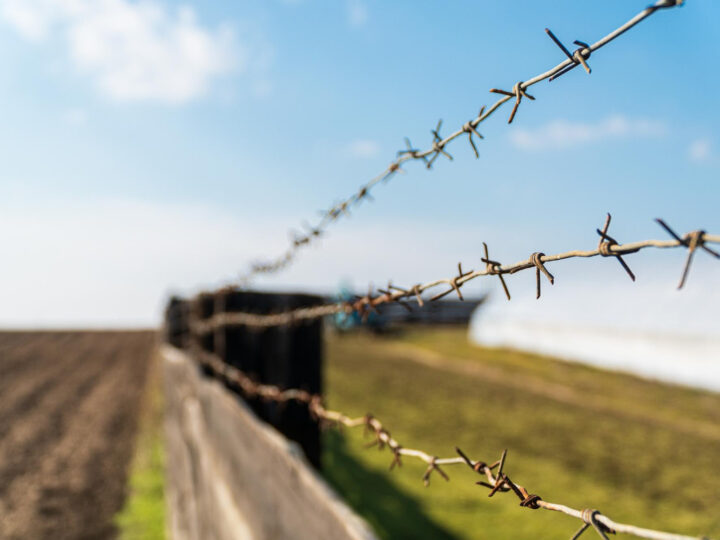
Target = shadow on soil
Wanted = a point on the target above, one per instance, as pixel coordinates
(390, 512)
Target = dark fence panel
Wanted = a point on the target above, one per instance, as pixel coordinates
(177, 331)
(286, 356)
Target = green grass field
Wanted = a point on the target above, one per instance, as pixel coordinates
(143, 514)
(642, 452)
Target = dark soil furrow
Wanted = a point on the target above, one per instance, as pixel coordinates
(70, 402)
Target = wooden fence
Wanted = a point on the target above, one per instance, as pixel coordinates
(232, 476)
(239, 467)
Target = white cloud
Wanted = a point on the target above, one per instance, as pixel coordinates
(700, 150)
(357, 12)
(132, 50)
(30, 18)
(560, 134)
(363, 148)
(112, 263)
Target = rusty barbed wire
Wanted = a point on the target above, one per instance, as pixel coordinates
(607, 247)
(496, 481)
(439, 144)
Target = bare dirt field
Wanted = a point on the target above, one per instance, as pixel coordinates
(69, 404)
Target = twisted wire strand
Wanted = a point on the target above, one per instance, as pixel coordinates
(494, 476)
(608, 247)
(439, 144)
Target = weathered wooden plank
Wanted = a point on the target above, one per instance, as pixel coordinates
(230, 476)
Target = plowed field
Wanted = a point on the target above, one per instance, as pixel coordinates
(69, 403)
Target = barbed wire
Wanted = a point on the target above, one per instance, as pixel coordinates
(607, 247)
(439, 144)
(498, 481)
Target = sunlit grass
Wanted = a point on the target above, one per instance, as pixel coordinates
(143, 515)
(642, 452)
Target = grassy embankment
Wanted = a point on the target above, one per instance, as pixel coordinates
(143, 515)
(642, 452)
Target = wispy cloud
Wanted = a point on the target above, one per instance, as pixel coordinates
(357, 13)
(112, 262)
(132, 50)
(561, 134)
(363, 148)
(700, 150)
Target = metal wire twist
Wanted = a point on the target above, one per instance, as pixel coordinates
(439, 144)
(608, 247)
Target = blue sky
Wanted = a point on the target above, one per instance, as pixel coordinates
(157, 146)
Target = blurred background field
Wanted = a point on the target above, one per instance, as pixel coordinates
(576, 435)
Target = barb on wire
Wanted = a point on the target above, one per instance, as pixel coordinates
(470, 129)
(607, 242)
(518, 92)
(455, 284)
(536, 259)
(493, 268)
(579, 57)
(439, 145)
(412, 152)
(692, 240)
(607, 247)
(497, 481)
